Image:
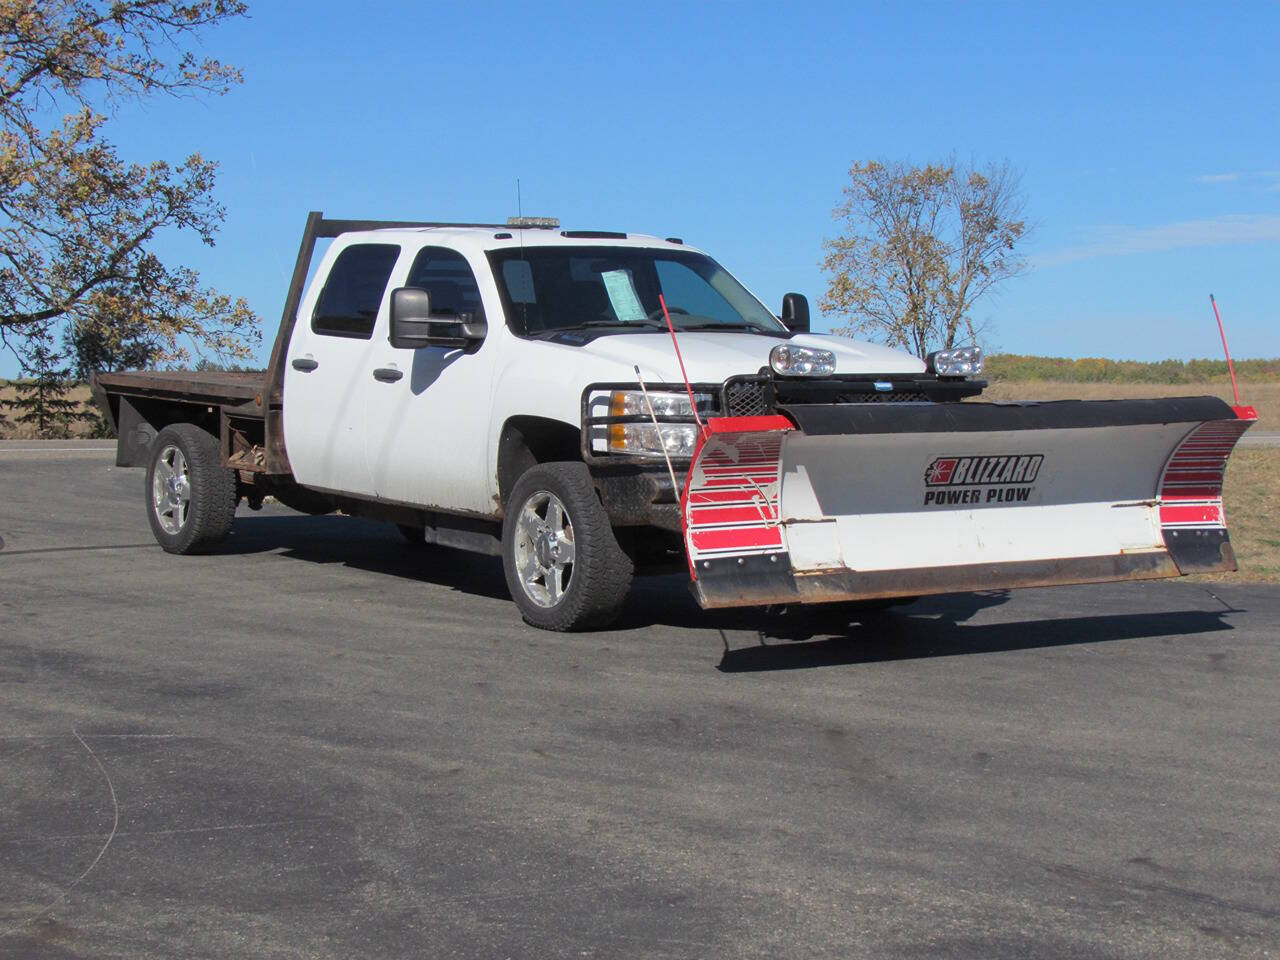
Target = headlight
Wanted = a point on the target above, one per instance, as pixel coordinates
(791, 360)
(960, 362)
(665, 403)
(648, 439)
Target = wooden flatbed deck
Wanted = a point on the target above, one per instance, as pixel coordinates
(221, 387)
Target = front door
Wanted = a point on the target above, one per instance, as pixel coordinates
(428, 410)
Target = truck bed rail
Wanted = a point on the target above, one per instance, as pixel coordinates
(211, 386)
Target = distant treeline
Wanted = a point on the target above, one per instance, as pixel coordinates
(1018, 368)
(1014, 367)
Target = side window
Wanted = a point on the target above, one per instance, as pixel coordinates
(449, 282)
(352, 293)
(688, 291)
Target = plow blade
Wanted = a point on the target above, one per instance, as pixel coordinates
(863, 501)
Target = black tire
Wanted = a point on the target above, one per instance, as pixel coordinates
(205, 519)
(597, 580)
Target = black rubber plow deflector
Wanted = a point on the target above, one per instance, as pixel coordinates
(852, 418)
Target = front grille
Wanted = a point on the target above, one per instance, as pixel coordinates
(754, 395)
(757, 396)
(904, 396)
(746, 398)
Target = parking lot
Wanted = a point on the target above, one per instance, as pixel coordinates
(321, 742)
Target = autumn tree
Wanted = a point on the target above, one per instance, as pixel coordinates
(78, 222)
(919, 247)
(104, 342)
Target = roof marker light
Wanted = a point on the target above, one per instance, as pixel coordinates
(541, 223)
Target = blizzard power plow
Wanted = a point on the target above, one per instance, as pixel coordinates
(829, 502)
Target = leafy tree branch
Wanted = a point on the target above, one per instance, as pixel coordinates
(77, 222)
(919, 247)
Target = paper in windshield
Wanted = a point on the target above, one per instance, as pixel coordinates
(622, 294)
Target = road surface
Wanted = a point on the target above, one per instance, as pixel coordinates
(320, 742)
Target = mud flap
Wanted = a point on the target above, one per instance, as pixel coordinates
(862, 501)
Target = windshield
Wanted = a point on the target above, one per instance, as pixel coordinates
(546, 289)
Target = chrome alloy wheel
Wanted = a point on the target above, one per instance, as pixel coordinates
(544, 548)
(171, 490)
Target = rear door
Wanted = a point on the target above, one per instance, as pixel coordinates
(428, 410)
(330, 356)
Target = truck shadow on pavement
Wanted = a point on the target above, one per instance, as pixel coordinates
(797, 638)
(901, 636)
(789, 638)
(365, 545)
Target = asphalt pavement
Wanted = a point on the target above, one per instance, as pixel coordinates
(321, 742)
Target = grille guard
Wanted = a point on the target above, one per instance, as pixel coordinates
(762, 394)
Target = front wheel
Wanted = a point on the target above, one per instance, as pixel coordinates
(191, 496)
(564, 567)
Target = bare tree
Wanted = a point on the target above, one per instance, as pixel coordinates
(76, 221)
(920, 246)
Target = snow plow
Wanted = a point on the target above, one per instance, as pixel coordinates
(834, 502)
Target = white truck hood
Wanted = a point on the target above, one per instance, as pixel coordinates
(711, 357)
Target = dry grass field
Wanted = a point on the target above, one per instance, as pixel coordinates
(1265, 397)
(1252, 496)
(14, 431)
(1253, 479)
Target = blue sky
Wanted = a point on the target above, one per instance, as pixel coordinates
(1148, 140)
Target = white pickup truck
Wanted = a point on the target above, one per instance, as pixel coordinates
(593, 404)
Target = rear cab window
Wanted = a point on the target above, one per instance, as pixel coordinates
(353, 291)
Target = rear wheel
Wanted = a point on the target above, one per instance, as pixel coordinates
(191, 497)
(563, 564)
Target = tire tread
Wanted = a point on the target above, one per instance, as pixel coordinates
(213, 490)
(592, 602)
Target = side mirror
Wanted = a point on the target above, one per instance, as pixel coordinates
(412, 325)
(795, 312)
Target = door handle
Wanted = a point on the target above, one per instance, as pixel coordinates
(305, 364)
(387, 374)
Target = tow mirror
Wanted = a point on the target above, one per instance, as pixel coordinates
(795, 312)
(413, 326)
